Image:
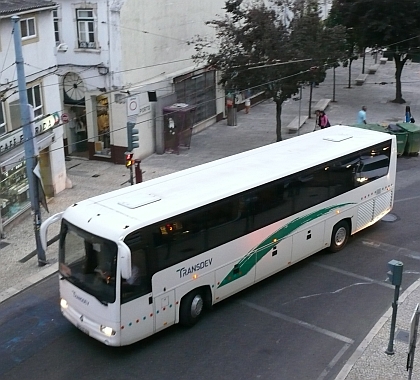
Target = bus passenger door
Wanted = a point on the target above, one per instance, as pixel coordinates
(164, 306)
(308, 241)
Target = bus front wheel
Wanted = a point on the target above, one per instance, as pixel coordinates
(340, 236)
(191, 308)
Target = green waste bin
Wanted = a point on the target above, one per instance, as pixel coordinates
(412, 147)
(371, 127)
(392, 129)
(401, 136)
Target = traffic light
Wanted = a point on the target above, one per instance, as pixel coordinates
(129, 160)
(132, 136)
(395, 272)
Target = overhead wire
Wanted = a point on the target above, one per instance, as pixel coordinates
(93, 138)
(251, 67)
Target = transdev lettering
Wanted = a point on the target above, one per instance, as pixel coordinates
(186, 271)
(81, 299)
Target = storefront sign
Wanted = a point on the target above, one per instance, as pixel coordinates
(15, 138)
(145, 109)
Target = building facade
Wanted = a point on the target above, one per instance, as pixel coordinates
(43, 90)
(126, 61)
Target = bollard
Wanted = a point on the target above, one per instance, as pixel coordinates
(139, 174)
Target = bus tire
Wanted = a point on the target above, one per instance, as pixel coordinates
(340, 236)
(192, 305)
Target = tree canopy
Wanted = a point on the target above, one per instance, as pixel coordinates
(260, 48)
(390, 24)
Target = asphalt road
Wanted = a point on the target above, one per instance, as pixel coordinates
(303, 323)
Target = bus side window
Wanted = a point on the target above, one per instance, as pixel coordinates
(225, 221)
(372, 167)
(179, 239)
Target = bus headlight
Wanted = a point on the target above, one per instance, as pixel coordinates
(64, 304)
(108, 331)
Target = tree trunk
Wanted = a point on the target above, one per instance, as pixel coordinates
(399, 65)
(364, 60)
(278, 119)
(310, 100)
(350, 62)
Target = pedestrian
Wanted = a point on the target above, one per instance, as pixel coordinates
(247, 105)
(317, 121)
(323, 120)
(408, 116)
(361, 116)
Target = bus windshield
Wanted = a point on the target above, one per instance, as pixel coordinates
(88, 262)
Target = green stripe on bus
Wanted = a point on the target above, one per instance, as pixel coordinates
(256, 254)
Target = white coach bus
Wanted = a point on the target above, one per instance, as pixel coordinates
(137, 260)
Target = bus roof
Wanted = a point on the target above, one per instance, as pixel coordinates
(117, 213)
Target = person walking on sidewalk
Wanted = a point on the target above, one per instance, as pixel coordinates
(361, 116)
(317, 120)
(247, 105)
(408, 116)
(323, 120)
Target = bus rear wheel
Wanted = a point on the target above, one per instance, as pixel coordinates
(191, 310)
(340, 236)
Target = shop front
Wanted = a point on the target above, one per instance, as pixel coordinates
(14, 192)
(88, 132)
(14, 186)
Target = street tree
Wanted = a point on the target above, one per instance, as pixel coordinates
(390, 24)
(335, 18)
(271, 48)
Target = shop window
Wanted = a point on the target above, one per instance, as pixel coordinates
(103, 136)
(14, 192)
(2, 121)
(86, 28)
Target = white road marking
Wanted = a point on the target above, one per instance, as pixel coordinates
(297, 322)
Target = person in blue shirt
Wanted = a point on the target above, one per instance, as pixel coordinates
(408, 117)
(361, 116)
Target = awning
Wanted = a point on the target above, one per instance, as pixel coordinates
(12, 158)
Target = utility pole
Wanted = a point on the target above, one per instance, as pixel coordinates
(26, 122)
(300, 104)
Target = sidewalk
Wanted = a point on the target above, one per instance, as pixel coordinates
(255, 129)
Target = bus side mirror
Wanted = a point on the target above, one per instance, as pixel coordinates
(44, 228)
(125, 261)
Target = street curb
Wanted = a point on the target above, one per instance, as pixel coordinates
(32, 280)
(372, 333)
